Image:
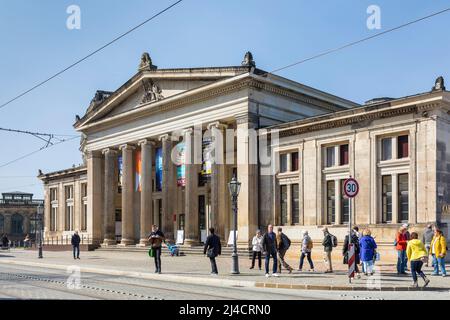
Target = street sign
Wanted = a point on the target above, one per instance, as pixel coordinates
(351, 187)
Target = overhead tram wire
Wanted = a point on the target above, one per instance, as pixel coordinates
(89, 55)
(358, 41)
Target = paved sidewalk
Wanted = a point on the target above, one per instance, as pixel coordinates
(196, 270)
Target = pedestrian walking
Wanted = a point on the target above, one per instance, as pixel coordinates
(257, 249)
(408, 236)
(5, 241)
(283, 244)
(401, 241)
(355, 242)
(439, 251)
(307, 246)
(417, 254)
(368, 248)
(329, 241)
(76, 245)
(426, 240)
(212, 249)
(27, 241)
(156, 239)
(270, 250)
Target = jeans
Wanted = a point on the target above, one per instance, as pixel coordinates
(272, 253)
(439, 263)
(368, 266)
(213, 265)
(76, 251)
(327, 260)
(281, 261)
(416, 269)
(401, 263)
(157, 259)
(256, 254)
(308, 256)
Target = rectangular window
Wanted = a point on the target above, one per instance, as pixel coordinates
(386, 149)
(386, 202)
(402, 147)
(403, 197)
(283, 162)
(53, 194)
(295, 204)
(69, 218)
(54, 214)
(343, 154)
(345, 205)
(331, 212)
(294, 161)
(69, 192)
(84, 224)
(84, 190)
(283, 205)
(330, 157)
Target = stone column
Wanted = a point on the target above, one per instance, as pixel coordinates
(146, 219)
(247, 174)
(109, 207)
(95, 192)
(190, 191)
(168, 189)
(127, 195)
(218, 180)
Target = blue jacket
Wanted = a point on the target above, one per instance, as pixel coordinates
(367, 246)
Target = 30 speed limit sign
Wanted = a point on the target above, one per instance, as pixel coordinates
(351, 187)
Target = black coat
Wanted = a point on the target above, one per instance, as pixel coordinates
(213, 242)
(5, 241)
(268, 244)
(76, 240)
(355, 242)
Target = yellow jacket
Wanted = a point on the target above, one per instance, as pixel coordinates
(415, 250)
(440, 246)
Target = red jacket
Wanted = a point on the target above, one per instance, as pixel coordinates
(402, 241)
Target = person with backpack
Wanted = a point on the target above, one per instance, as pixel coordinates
(367, 246)
(307, 246)
(401, 241)
(329, 241)
(417, 254)
(269, 244)
(439, 251)
(283, 245)
(427, 238)
(355, 242)
(257, 248)
(156, 239)
(212, 249)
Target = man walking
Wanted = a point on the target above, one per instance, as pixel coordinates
(426, 239)
(328, 244)
(76, 245)
(283, 244)
(156, 238)
(270, 250)
(212, 249)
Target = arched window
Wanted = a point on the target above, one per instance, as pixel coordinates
(16, 224)
(2, 224)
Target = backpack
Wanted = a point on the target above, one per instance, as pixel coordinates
(309, 245)
(334, 240)
(286, 242)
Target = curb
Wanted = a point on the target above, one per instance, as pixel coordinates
(342, 288)
(144, 275)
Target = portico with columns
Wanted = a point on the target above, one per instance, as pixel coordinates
(130, 138)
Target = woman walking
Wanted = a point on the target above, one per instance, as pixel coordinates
(439, 251)
(307, 246)
(257, 248)
(367, 246)
(417, 254)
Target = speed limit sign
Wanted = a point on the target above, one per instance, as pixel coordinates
(351, 187)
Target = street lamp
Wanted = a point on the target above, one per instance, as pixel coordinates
(234, 187)
(39, 220)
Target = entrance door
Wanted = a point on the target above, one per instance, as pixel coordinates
(202, 216)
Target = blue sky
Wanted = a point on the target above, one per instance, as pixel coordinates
(35, 43)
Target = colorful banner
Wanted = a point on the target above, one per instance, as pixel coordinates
(158, 168)
(180, 163)
(138, 170)
(207, 148)
(120, 165)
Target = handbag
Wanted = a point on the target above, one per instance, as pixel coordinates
(151, 253)
(210, 253)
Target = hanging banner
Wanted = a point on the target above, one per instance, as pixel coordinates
(207, 149)
(158, 168)
(180, 163)
(138, 170)
(120, 165)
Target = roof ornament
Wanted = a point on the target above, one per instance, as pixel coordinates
(146, 63)
(439, 84)
(248, 60)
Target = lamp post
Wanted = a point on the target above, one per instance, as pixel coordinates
(39, 220)
(234, 187)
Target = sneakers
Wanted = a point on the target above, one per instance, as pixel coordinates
(427, 281)
(444, 275)
(275, 275)
(415, 285)
(267, 275)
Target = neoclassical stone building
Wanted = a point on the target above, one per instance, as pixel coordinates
(133, 140)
